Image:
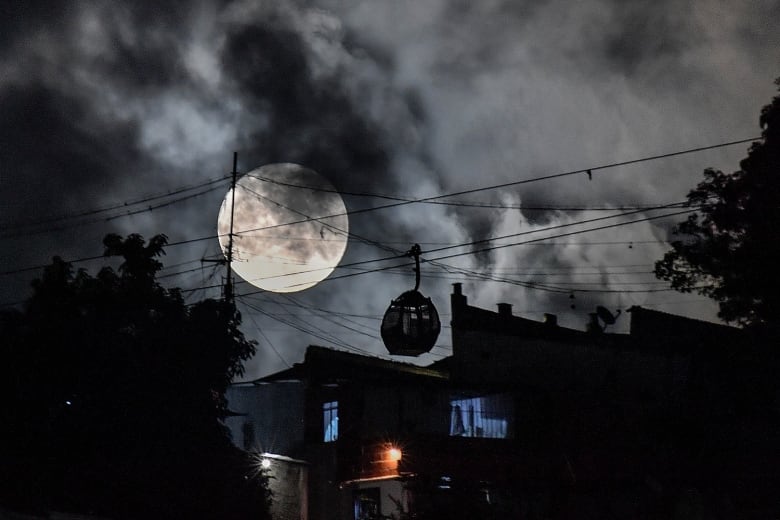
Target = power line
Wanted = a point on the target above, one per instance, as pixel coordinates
(98, 257)
(332, 320)
(51, 229)
(467, 204)
(432, 198)
(514, 271)
(531, 285)
(404, 202)
(590, 170)
(125, 204)
(480, 274)
(501, 246)
(424, 243)
(17, 229)
(599, 228)
(268, 341)
(324, 336)
(334, 229)
(493, 239)
(41, 266)
(257, 298)
(162, 204)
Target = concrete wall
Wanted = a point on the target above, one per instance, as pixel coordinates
(400, 409)
(288, 482)
(484, 357)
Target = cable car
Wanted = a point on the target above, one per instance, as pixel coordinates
(411, 324)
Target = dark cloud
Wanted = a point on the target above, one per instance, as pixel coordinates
(359, 44)
(758, 29)
(150, 61)
(56, 155)
(646, 32)
(269, 64)
(21, 18)
(57, 159)
(312, 121)
(105, 103)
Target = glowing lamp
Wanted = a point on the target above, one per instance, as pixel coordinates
(394, 454)
(265, 463)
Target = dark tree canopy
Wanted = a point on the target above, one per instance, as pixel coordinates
(730, 249)
(112, 395)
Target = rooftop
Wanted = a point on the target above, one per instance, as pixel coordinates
(327, 363)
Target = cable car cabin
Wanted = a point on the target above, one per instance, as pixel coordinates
(411, 325)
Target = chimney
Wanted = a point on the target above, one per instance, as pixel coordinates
(505, 309)
(551, 320)
(457, 299)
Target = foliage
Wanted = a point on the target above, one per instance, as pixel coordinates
(114, 391)
(731, 249)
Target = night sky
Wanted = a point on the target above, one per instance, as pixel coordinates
(114, 117)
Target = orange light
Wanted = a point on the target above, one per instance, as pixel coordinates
(394, 454)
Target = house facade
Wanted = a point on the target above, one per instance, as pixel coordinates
(525, 419)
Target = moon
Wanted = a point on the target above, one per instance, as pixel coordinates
(290, 227)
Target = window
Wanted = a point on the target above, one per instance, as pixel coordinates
(330, 421)
(366, 504)
(489, 417)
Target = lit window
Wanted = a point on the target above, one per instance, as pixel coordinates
(330, 421)
(485, 416)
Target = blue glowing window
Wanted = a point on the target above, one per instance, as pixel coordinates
(484, 416)
(330, 421)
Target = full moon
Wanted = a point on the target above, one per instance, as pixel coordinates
(290, 227)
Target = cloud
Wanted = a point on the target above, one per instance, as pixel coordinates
(307, 117)
(107, 104)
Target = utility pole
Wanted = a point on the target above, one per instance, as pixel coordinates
(229, 295)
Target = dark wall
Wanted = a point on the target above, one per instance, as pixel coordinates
(275, 413)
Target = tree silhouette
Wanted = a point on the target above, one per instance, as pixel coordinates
(731, 247)
(112, 395)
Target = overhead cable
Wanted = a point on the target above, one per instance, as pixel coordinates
(433, 198)
(22, 228)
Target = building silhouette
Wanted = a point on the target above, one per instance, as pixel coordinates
(526, 419)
